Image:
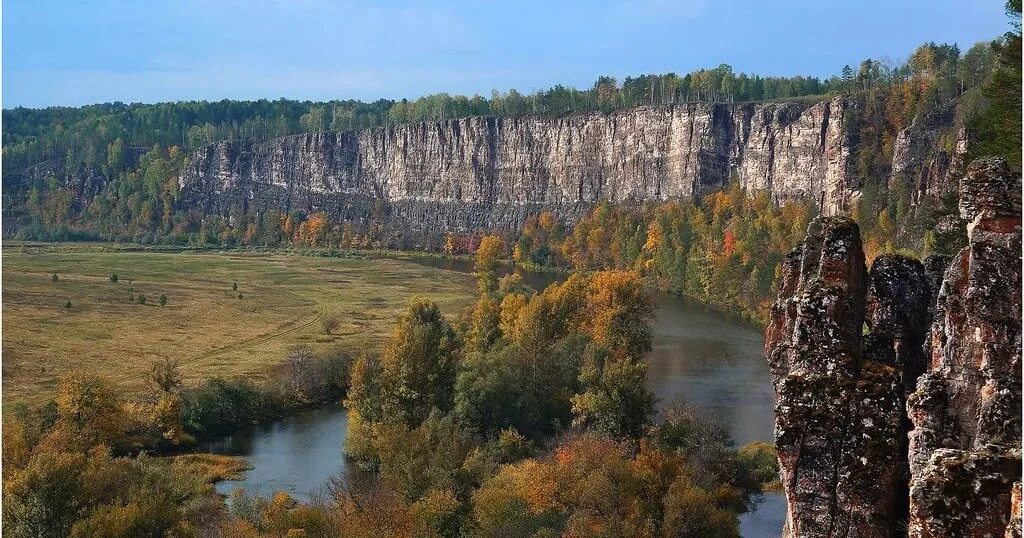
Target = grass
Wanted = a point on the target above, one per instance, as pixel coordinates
(204, 324)
(215, 467)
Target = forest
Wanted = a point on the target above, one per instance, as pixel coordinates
(526, 414)
(723, 249)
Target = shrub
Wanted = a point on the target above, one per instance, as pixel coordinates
(67, 305)
(163, 300)
(234, 286)
(113, 277)
(55, 278)
(141, 299)
(760, 464)
(330, 321)
(239, 296)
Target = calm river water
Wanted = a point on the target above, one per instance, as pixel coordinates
(709, 359)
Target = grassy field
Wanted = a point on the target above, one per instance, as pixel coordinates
(205, 324)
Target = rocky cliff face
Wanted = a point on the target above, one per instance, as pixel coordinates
(492, 173)
(882, 428)
(965, 445)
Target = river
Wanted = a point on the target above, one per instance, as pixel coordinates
(709, 359)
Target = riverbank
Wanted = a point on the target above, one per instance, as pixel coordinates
(713, 361)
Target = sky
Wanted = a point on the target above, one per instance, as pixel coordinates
(81, 52)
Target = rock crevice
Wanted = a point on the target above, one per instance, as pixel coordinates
(887, 428)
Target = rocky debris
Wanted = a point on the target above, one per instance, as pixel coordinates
(965, 447)
(494, 172)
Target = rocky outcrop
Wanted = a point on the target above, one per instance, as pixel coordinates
(885, 428)
(965, 445)
(840, 425)
(493, 172)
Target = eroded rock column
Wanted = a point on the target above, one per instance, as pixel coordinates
(965, 446)
(840, 424)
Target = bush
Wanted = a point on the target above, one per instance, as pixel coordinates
(234, 286)
(55, 278)
(141, 299)
(91, 494)
(113, 277)
(330, 321)
(67, 305)
(760, 463)
(163, 300)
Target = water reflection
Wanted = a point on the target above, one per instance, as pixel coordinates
(297, 454)
(713, 361)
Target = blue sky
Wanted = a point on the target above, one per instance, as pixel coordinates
(74, 53)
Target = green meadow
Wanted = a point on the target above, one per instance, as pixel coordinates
(86, 324)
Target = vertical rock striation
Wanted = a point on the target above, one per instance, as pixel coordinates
(965, 445)
(882, 427)
(493, 172)
(839, 399)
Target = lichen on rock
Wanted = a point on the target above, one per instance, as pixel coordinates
(887, 428)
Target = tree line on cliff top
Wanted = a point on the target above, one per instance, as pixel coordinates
(83, 136)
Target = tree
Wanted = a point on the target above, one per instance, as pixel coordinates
(163, 300)
(314, 229)
(419, 364)
(519, 387)
(165, 375)
(615, 400)
(113, 277)
(998, 129)
(487, 255)
(618, 312)
(330, 321)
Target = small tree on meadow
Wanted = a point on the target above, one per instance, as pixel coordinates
(113, 277)
(165, 375)
(330, 321)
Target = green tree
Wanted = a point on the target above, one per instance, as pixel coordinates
(419, 364)
(615, 400)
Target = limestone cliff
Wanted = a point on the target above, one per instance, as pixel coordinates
(493, 172)
(885, 429)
